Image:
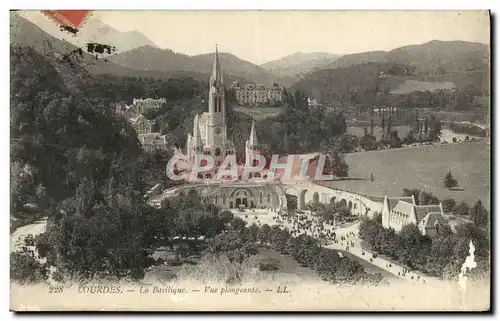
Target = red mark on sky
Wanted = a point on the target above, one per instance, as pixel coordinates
(68, 18)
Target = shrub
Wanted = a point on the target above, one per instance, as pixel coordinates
(448, 204)
(25, 269)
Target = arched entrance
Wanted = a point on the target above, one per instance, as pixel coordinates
(301, 199)
(242, 198)
(315, 197)
(241, 201)
(192, 194)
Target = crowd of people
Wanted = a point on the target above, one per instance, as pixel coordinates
(304, 222)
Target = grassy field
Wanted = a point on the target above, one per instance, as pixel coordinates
(259, 112)
(446, 134)
(423, 167)
(377, 131)
(416, 85)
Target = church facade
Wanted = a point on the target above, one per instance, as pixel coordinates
(400, 211)
(209, 135)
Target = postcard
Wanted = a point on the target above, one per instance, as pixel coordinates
(250, 160)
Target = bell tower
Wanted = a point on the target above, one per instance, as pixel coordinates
(216, 127)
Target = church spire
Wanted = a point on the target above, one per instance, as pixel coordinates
(216, 78)
(197, 142)
(253, 136)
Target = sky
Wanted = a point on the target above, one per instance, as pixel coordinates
(262, 36)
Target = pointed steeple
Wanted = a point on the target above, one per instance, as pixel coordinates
(253, 136)
(216, 78)
(196, 139)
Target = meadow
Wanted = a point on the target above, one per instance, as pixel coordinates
(446, 134)
(423, 167)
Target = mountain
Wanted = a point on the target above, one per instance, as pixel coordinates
(429, 66)
(433, 57)
(336, 85)
(299, 63)
(98, 31)
(357, 58)
(154, 59)
(94, 30)
(72, 62)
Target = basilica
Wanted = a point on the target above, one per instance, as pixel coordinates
(209, 135)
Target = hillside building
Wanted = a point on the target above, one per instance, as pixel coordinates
(141, 124)
(149, 140)
(143, 105)
(139, 106)
(400, 211)
(251, 94)
(152, 141)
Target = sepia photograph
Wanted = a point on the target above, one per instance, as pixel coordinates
(250, 161)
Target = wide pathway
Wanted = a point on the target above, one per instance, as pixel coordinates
(347, 241)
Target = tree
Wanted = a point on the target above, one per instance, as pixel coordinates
(226, 216)
(389, 242)
(263, 234)
(25, 269)
(442, 251)
(449, 181)
(253, 231)
(479, 215)
(448, 204)
(461, 209)
(340, 167)
(409, 139)
(370, 232)
(434, 128)
(238, 224)
(231, 244)
(411, 241)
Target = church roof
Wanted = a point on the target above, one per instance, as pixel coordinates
(139, 118)
(394, 200)
(421, 211)
(197, 141)
(216, 77)
(430, 220)
(403, 207)
(253, 136)
(152, 138)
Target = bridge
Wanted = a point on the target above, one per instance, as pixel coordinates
(232, 194)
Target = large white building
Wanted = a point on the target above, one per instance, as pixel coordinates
(251, 94)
